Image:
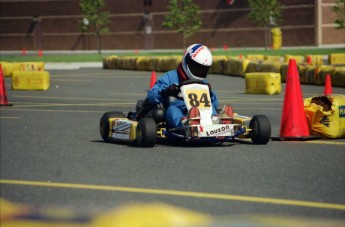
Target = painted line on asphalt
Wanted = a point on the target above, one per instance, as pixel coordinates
(326, 142)
(110, 74)
(69, 104)
(202, 195)
(72, 80)
(257, 108)
(58, 111)
(9, 117)
(66, 98)
(252, 100)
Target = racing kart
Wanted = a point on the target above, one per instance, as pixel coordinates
(144, 126)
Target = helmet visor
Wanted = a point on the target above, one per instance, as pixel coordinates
(197, 69)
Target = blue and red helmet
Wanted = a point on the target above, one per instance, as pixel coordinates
(196, 61)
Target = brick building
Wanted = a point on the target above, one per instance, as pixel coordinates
(136, 24)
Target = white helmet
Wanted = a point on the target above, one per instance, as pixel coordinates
(197, 61)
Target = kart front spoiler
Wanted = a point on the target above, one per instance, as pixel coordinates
(181, 134)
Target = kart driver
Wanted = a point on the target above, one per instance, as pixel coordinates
(195, 65)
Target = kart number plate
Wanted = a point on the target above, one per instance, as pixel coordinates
(197, 95)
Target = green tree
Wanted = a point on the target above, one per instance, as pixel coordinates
(95, 18)
(266, 13)
(184, 16)
(339, 9)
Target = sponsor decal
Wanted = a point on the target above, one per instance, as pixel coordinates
(218, 131)
(195, 50)
(198, 51)
(341, 111)
(121, 129)
(325, 121)
(201, 129)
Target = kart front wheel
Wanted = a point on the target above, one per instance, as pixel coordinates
(146, 132)
(104, 126)
(260, 129)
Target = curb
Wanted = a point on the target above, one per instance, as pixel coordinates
(72, 65)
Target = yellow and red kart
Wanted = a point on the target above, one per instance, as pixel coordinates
(147, 124)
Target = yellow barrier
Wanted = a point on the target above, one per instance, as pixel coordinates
(218, 64)
(263, 83)
(284, 68)
(30, 80)
(269, 67)
(255, 57)
(168, 63)
(326, 115)
(309, 74)
(236, 67)
(276, 38)
(110, 62)
(337, 59)
(314, 59)
(273, 58)
(298, 58)
(32, 66)
(9, 67)
(338, 77)
(252, 67)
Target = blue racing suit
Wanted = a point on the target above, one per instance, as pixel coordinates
(176, 109)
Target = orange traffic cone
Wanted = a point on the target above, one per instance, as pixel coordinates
(3, 95)
(294, 125)
(328, 85)
(309, 60)
(153, 79)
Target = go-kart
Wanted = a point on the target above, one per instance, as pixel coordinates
(147, 124)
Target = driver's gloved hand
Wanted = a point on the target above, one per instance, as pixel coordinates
(172, 90)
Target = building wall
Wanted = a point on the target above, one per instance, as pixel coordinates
(59, 27)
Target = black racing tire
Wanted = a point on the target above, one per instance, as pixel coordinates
(146, 132)
(260, 129)
(104, 126)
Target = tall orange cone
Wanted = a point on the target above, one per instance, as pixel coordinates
(328, 85)
(294, 125)
(309, 60)
(153, 79)
(3, 95)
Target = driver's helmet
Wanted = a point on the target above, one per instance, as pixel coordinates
(197, 61)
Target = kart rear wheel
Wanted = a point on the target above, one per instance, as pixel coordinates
(104, 126)
(146, 132)
(261, 129)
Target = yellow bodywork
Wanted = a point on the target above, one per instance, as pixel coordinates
(131, 132)
(244, 121)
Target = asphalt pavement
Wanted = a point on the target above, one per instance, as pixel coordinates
(52, 154)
